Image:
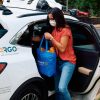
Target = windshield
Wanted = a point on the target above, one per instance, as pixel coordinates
(43, 5)
(2, 31)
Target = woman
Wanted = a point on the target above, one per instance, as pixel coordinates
(61, 38)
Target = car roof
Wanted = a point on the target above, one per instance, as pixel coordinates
(15, 21)
(23, 15)
(32, 5)
(14, 17)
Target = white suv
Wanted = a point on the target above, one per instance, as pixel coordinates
(19, 76)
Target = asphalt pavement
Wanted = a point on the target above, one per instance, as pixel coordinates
(98, 28)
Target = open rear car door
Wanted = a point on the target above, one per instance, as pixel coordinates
(87, 49)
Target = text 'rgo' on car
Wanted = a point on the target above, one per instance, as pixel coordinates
(19, 76)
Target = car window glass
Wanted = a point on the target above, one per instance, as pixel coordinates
(40, 28)
(43, 5)
(32, 30)
(2, 31)
(81, 36)
(25, 38)
(17, 36)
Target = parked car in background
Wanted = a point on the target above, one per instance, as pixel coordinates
(78, 13)
(19, 75)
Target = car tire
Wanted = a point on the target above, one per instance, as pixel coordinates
(29, 92)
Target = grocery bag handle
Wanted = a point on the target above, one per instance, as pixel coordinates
(46, 41)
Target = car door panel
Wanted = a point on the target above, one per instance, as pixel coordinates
(87, 58)
(87, 54)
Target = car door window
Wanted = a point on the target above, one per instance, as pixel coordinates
(33, 30)
(81, 36)
(25, 38)
(2, 31)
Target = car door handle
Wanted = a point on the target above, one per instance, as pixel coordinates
(84, 70)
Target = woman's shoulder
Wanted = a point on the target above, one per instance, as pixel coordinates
(66, 28)
(66, 31)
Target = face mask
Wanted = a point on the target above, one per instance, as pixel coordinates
(52, 23)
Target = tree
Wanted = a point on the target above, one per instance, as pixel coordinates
(92, 6)
(86, 5)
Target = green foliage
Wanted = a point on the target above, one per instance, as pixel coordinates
(63, 2)
(92, 6)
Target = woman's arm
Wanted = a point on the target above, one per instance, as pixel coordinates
(61, 46)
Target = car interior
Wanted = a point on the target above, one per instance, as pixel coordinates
(85, 47)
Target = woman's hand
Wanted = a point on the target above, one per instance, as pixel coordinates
(48, 36)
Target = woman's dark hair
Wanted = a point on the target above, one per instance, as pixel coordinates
(58, 17)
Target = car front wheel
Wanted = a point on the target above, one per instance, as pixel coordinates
(30, 92)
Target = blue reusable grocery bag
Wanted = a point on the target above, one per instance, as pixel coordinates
(46, 61)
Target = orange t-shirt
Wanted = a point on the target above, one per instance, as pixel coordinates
(68, 54)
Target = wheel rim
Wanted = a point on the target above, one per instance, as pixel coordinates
(30, 96)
